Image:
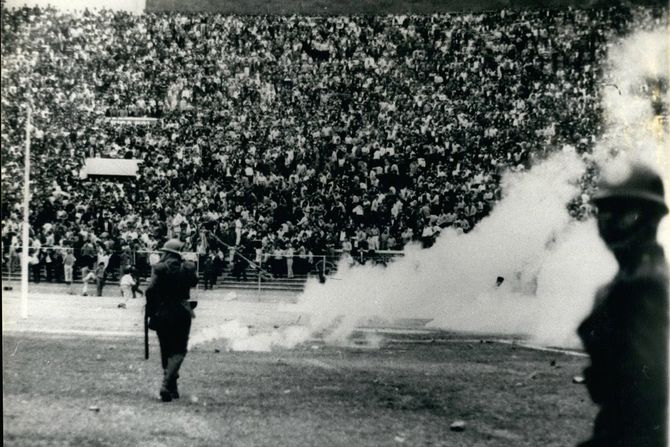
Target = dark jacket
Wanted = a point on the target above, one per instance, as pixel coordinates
(626, 336)
(169, 287)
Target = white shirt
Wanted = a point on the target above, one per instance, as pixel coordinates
(127, 280)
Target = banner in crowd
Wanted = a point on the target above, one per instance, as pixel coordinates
(135, 120)
(111, 167)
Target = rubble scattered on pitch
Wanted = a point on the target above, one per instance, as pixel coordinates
(457, 426)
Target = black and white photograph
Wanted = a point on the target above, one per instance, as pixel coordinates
(347, 223)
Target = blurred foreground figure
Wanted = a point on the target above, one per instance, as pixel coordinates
(170, 312)
(626, 334)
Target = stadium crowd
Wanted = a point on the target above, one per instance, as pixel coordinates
(289, 134)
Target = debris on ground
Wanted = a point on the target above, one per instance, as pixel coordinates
(230, 296)
(501, 433)
(457, 426)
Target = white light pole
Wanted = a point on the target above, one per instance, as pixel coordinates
(25, 229)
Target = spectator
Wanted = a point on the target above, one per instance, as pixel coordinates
(289, 253)
(377, 122)
(35, 261)
(126, 284)
(68, 268)
(86, 277)
(210, 270)
(100, 277)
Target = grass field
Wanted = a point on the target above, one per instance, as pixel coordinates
(407, 392)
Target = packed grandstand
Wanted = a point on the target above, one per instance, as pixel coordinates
(289, 134)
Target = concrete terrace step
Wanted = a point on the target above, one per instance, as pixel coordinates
(293, 284)
(251, 286)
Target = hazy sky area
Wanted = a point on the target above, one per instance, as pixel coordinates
(128, 5)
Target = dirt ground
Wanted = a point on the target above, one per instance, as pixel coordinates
(74, 374)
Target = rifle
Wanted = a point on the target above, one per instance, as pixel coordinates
(146, 334)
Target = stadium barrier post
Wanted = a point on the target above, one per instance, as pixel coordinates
(258, 271)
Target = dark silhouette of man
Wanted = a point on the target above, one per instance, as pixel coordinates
(170, 312)
(626, 334)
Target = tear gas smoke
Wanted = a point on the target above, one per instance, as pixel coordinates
(637, 125)
(552, 265)
(238, 337)
(527, 239)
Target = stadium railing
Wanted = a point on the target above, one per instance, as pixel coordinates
(260, 271)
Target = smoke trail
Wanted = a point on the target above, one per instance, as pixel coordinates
(552, 265)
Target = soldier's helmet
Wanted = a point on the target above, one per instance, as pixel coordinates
(636, 183)
(173, 246)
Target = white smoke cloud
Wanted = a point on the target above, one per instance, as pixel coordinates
(236, 336)
(632, 129)
(552, 265)
(567, 283)
(454, 282)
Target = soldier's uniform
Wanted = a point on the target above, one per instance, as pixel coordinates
(626, 334)
(170, 312)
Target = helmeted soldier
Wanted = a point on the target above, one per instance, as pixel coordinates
(626, 334)
(170, 311)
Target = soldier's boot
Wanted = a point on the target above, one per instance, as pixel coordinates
(172, 387)
(169, 386)
(165, 392)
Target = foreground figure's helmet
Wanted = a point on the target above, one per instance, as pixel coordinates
(173, 246)
(637, 182)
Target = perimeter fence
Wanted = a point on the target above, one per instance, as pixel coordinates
(230, 270)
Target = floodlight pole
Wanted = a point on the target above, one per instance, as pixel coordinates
(25, 229)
